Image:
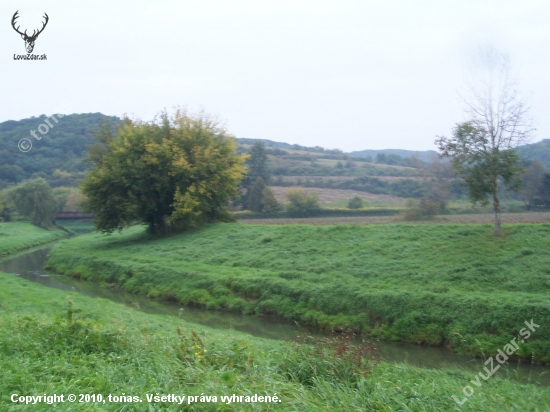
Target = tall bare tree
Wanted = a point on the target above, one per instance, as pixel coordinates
(483, 148)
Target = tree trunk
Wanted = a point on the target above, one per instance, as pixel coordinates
(496, 209)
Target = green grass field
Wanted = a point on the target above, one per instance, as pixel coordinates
(94, 346)
(452, 285)
(16, 236)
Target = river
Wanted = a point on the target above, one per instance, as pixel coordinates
(30, 266)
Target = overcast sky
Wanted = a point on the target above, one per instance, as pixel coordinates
(339, 74)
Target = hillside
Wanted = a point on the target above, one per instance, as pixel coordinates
(63, 147)
(393, 172)
(537, 151)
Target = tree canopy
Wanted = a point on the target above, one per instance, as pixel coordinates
(34, 200)
(257, 164)
(483, 149)
(176, 171)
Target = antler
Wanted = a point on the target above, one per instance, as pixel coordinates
(15, 16)
(43, 27)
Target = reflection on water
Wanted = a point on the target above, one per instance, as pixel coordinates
(30, 266)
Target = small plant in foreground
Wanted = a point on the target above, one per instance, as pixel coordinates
(191, 349)
(340, 357)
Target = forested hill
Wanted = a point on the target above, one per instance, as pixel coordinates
(537, 151)
(62, 147)
(58, 155)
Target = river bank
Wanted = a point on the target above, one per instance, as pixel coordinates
(44, 350)
(453, 285)
(18, 236)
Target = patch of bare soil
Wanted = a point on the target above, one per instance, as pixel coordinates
(333, 195)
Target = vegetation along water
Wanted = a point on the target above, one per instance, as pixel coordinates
(54, 341)
(443, 285)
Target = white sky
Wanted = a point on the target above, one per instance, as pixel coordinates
(339, 74)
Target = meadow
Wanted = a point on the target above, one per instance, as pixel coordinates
(60, 342)
(16, 236)
(443, 285)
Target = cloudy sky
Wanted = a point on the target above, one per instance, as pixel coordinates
(349, 74)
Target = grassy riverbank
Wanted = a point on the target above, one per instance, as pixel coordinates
(453, 285)
(94, 346)
(16, 236)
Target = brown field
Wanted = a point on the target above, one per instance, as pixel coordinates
(327, 196)
(368, 220)
(342, 178)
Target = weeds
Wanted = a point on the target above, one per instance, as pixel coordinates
(340, 357)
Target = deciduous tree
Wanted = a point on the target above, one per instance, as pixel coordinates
(34, 200)
(482, 149)
(176, 171)
(300, 203)
(532, 183)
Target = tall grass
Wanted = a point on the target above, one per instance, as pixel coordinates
(452, 285)
(59, 342)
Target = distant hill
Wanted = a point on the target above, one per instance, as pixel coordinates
(425, 156)
(288, 146)
(58, 155)
(537, 151)
(62, 147)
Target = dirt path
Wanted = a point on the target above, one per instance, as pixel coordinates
(367, 220)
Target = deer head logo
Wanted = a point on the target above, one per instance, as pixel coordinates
(29, 40)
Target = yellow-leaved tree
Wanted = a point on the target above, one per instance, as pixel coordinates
(174, 172)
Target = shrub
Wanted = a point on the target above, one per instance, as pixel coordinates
(255, 195)
(34, 200)
(300, 203)
(422, 209)
(269, 203)
(355, 203)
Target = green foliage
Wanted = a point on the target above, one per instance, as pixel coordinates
(478, 163)
(533, 180)
(255, 195)
(410, 282)
(420, 209)
(543, 195)
(256, 164)
(68, 199)
(108, 348)
(261, 198)
(181, 170)
(34, 200)
(355, 203)
(300, 203)
(539, 151)
(269, 203)
(477, 157)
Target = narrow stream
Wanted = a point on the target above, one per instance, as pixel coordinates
(30, 266)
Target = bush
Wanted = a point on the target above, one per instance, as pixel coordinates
(269, 203)
(355, 203)
(300, 203)
(255, 195)
(34, 199)
(422, 209)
